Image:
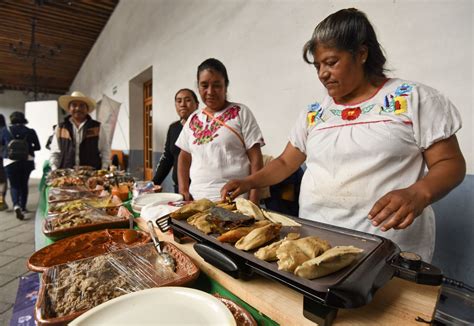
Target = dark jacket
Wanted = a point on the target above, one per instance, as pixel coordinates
(20, 131)
(88, 150)
(169, 158)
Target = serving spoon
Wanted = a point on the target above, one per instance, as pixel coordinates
(130, 235)
(163, 257)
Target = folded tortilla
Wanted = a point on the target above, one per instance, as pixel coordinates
(258, 237)
(329, 262)
(293, 253)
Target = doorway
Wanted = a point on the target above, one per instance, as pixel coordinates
(148, 130)
(137, 130)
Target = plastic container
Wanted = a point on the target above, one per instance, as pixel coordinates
(454, 307)
(142, 187)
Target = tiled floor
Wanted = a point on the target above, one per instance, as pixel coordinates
(16, 245)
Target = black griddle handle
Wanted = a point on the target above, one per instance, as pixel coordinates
(421, 273)
(218, 259)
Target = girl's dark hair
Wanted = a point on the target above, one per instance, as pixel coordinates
(18, 117)
(348, 30)
(216, 65)
(188, 90)
(2, 121)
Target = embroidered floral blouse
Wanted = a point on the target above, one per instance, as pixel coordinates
(218, 153)
(357, 153)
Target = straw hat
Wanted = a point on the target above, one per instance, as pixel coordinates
(76, 96)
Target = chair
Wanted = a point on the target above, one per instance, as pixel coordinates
(454, 252)
(119, 159)
(284, 196)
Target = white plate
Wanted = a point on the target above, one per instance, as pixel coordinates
(154, 198)
(152, 212)
(159, 306)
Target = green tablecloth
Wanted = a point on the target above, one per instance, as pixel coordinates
(203, 283)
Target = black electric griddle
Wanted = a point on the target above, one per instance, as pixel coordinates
(351, 287)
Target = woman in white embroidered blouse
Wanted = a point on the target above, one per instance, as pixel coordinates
(219, 142)
(368, 142)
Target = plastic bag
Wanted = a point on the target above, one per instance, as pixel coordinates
(86, 216)
(84, 284)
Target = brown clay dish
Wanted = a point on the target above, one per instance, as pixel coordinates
(83, 246)
(242, 317)
(186, 272)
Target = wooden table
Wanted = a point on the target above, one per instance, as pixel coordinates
(399, 302)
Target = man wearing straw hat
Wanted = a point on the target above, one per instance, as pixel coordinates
(79, 140)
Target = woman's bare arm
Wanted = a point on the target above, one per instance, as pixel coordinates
(184, 164)
(275, 171)
(256, 163)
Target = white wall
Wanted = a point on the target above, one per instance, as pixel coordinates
(41, 115)
(260, 43)
(11, 101)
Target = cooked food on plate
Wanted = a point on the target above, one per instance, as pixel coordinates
(234, 235)
(251, 227)
(258, 237)
(279, 218)
(68, 193)
(269, 253)
(83, 246)
(225, 220)
(192, 208)
(293, 253)
(87, 283)
(200, 221)
(67, 206)
(329, 262)
(247, 207)
(71, 219)
(66, 181)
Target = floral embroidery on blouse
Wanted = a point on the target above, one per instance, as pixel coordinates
(207, 134)
(400, 104)
(353, 113)
(397, 103)
(315, 112)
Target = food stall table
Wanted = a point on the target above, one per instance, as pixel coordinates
(398, 302)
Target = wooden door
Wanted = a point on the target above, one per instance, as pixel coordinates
(147, 130)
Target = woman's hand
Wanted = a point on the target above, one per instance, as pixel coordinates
(186, 196)
(233, 188)
(398, 209)
(446, 169)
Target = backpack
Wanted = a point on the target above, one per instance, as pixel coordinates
(17, 148)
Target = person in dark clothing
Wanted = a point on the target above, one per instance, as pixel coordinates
(79, 140)
(186, 102)
(284, 195)
(3, 176)
(18, 171)
(50, 138)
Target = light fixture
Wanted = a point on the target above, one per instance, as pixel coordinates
(35, 53)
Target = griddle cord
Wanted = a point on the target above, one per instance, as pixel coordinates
(457, 284)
